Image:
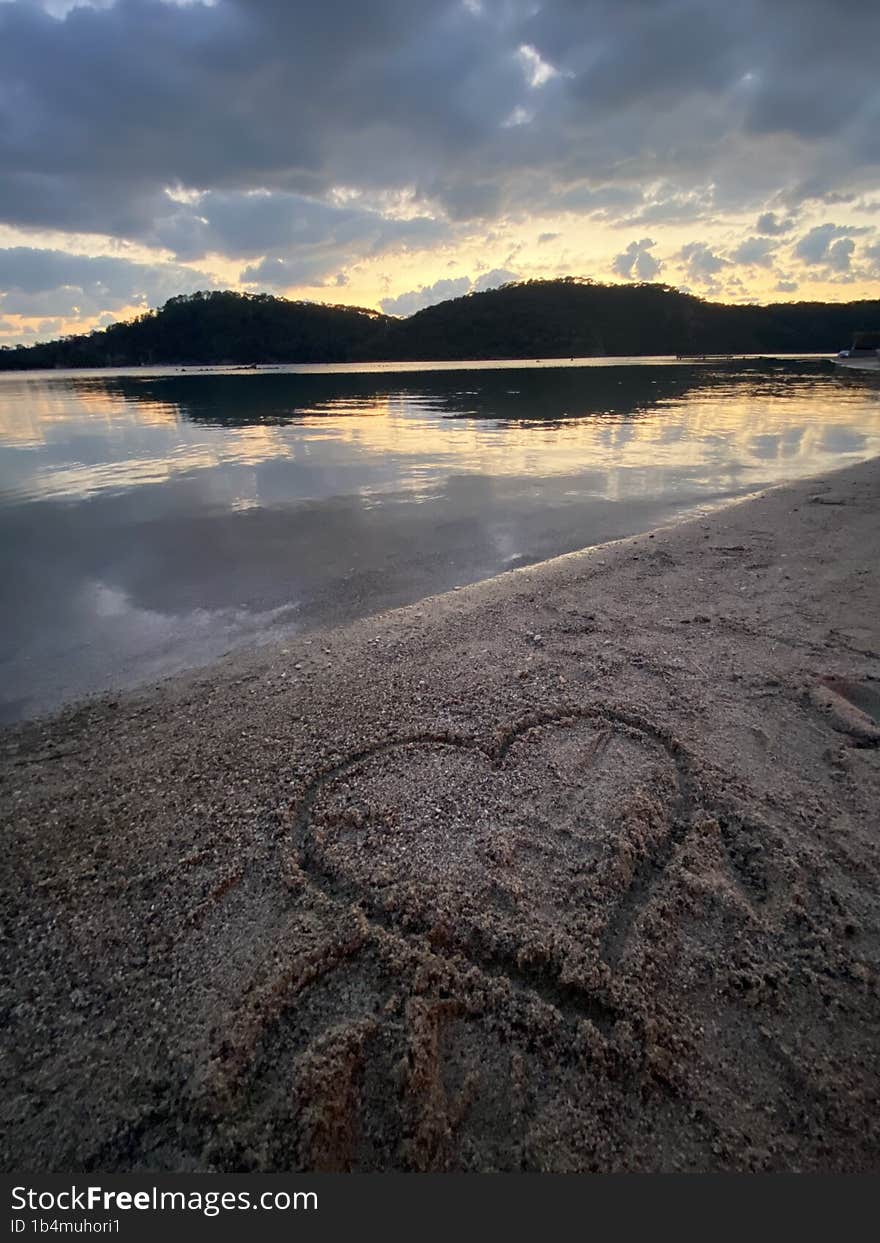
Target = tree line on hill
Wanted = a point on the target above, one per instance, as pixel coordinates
(563, 318)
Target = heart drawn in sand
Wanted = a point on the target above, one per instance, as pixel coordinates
(522, 846)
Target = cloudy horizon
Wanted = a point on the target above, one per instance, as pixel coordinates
(394, 154)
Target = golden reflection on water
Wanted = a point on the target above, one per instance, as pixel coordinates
(63, 439)
(151, 523)
(33, 411)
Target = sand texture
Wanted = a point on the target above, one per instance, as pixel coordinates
(574, 870)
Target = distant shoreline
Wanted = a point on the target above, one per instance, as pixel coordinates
(407, 366)
(569, 317)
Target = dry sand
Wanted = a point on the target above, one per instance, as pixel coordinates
(572, 870)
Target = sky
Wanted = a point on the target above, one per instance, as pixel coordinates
(394, 153)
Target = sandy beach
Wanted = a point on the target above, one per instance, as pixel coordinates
(571, 870)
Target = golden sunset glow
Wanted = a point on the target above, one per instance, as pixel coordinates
(446, 149)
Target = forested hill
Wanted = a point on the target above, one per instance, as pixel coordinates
(544, 319)
(532, 319)
(215, 328)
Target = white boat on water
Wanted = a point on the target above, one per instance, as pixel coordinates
(863, 354)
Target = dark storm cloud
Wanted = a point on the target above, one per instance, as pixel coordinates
(607, 201)
(240, 94)
(244, 224)
(642, 111)
(276, 273)
(53, 282)
(666, 206)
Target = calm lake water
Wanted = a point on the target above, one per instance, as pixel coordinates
(153, 521)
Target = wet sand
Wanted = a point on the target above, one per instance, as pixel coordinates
(572, 870)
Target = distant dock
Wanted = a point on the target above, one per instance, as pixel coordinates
(714, 358)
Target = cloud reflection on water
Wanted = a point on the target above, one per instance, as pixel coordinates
(405, 434)
(150, 523)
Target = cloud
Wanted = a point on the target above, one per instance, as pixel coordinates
(819, 246)
(604, 201)
(492, 280)
(55, 283)
(416, 299)
(453, 287)
(636, 262)
(276, 273)
(840, 253)
(667, 206)
(771, 224)
(701, 263)
(104, 107)
(244, 224)
(536, 70)
(298, 140)
(241, 94)
(755, 252)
